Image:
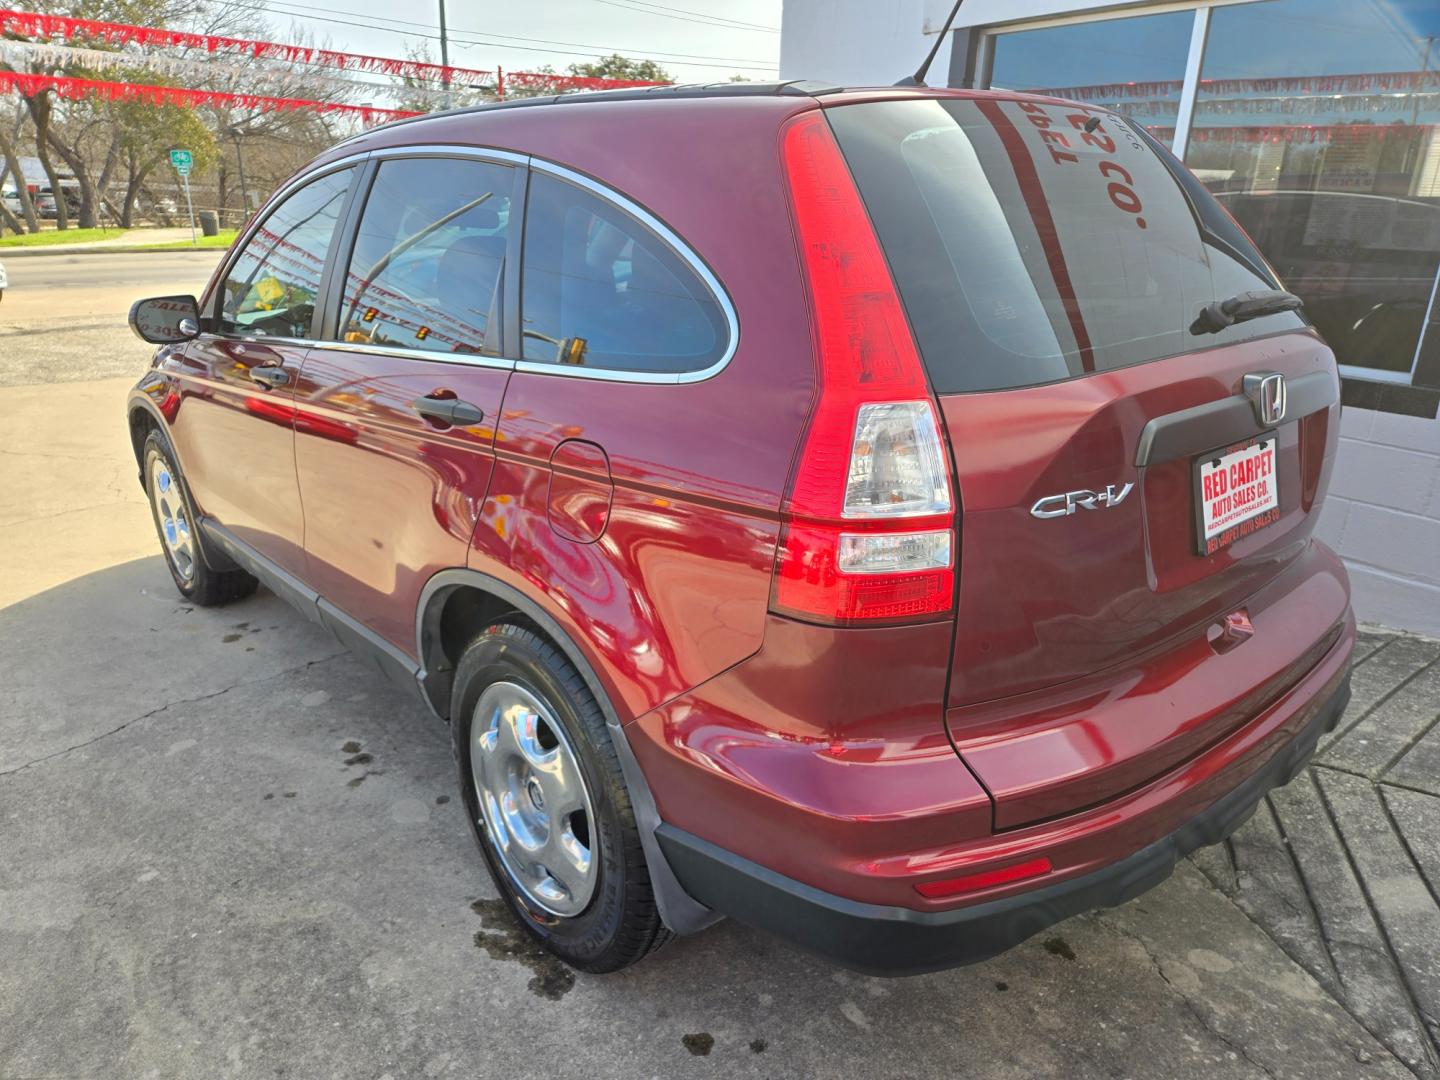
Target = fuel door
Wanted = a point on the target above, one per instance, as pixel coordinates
(581, 491)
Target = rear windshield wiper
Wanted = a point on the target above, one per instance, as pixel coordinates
(1242, 307)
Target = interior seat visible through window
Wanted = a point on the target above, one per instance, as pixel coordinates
(601, 290)
(429, 256)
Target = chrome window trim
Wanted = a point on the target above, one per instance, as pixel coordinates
(254, 339)
(463, 359)
(482, 153)
(683, 250)
(666, 235)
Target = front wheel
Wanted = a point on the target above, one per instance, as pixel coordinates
(178, 529)
(547, 802)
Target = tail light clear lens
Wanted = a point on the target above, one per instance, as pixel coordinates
(897, 465)
(869, 527)
(893, 553)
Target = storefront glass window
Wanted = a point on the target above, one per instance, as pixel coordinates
(1327, 150)
(1134, 65)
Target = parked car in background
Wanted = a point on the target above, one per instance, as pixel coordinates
(4, 281)
(885, 517)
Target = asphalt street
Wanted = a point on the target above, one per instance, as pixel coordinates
(63, 316)
(227, 849)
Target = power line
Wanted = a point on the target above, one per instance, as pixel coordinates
(702, 21)
(411, 29)
(738, 24)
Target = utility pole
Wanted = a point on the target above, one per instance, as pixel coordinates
(235, 134)
(444, 47)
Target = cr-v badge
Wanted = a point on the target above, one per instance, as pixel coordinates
(1053, 506)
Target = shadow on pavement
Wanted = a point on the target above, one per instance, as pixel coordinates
(231, 850)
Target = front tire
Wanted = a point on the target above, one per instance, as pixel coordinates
(548, 804)
(179, 532)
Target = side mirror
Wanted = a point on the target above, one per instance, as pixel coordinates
(165, 320)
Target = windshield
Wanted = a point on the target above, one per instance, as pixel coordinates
(1030, 243)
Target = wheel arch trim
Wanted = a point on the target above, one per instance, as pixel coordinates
(678, 909)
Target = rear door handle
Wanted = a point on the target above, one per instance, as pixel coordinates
(270, 375)
(448, 410)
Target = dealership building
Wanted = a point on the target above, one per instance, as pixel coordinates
(1317, 124)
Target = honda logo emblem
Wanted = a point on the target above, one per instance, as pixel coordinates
(1266, 390)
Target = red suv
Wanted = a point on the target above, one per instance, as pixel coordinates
(881, 516)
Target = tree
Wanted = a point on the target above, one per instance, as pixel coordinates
(147, 133)
(427, 95)
(10, 168)
(616, 66)
(89, 138)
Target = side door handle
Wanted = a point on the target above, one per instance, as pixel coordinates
(448, 410)
(270, 376)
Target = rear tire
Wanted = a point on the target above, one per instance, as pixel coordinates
(179, 531)
(597, 922)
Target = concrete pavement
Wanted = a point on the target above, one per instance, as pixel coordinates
(231, 851)
(1341, 866)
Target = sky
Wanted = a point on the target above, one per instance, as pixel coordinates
(695, 40)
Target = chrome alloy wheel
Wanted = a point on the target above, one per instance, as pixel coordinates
(170, 511)
(533, 799)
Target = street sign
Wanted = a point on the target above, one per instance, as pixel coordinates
(182, 160)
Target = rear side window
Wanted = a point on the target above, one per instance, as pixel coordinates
(601, 290)
(1027, 249)
(429, 256)
(271, 286)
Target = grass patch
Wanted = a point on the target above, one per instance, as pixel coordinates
(223, 239)
(55, 236)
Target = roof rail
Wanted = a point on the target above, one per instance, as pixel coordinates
(789, 88)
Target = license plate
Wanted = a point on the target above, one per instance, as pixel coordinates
(1236, 492)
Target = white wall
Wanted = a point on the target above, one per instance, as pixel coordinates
(857, 42)
(876, 42)
(1383, 516)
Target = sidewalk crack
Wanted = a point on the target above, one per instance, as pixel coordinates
(1204, 1021)
(169, 705)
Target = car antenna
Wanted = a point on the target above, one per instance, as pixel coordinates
(918, 79)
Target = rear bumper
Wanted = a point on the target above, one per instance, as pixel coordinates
(888, 940)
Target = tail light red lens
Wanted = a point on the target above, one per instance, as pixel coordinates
(870, 526)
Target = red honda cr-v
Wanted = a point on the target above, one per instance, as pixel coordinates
(882, 516)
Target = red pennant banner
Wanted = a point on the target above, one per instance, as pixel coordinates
(27, 24)
(77, 89)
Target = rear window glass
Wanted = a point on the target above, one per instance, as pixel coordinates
(1027, 249)
(601, 291)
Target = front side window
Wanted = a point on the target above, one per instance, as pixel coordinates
(272, 286)
(429, 257)
(601, 290)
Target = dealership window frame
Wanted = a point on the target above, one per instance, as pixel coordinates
(1415, 392)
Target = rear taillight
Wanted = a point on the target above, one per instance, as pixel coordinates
(869, 530)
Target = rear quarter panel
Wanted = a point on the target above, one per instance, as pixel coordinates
(676, 588)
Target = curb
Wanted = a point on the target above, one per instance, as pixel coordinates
(123, 249)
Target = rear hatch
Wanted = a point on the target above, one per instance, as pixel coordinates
(1052, 260)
